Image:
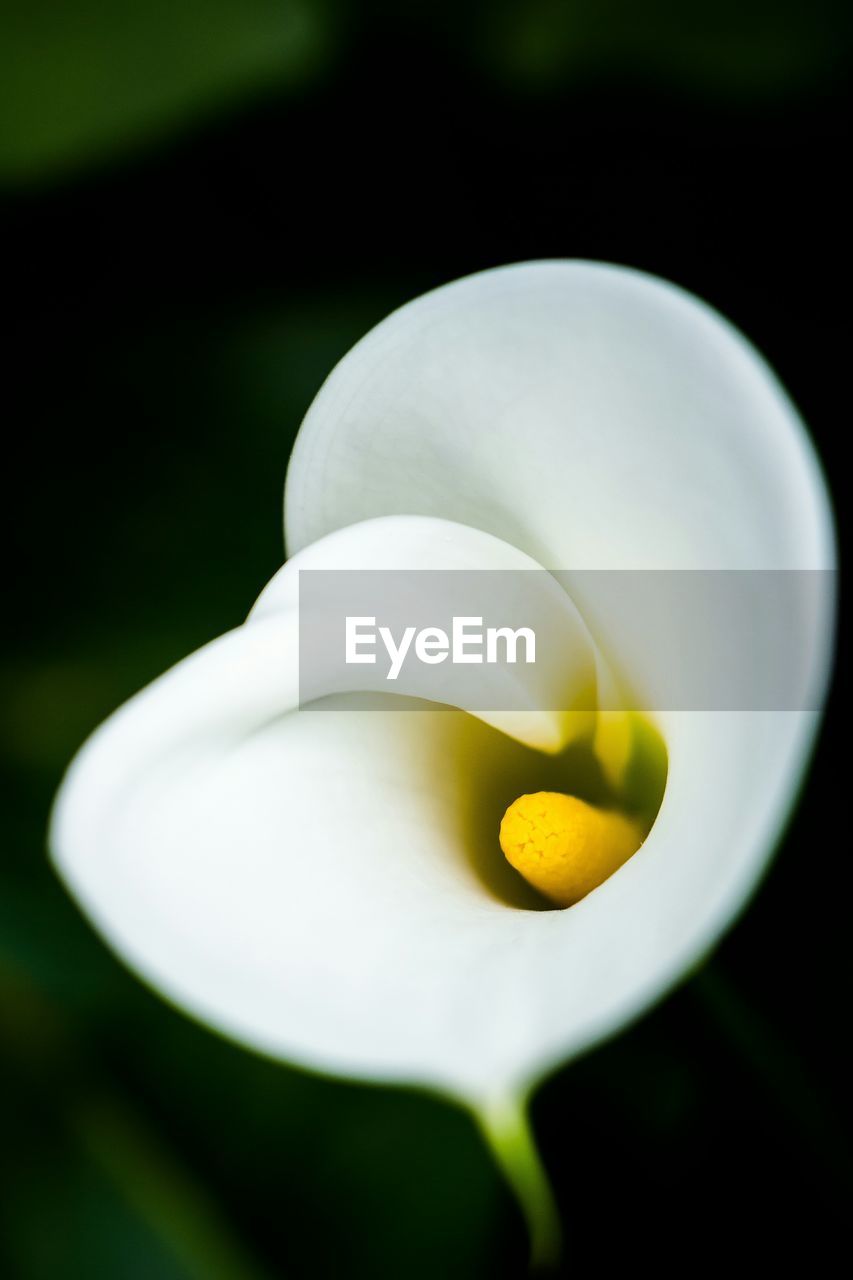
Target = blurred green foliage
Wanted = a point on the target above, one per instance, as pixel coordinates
(717, 48)
(84, 79)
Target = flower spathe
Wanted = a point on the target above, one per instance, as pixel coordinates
(296, 879)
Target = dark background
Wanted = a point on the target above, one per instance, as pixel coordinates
(204, 206)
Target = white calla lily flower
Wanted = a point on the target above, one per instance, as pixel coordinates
(319, 886)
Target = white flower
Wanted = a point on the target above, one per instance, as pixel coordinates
(304, 882)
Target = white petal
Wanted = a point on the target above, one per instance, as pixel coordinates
(307, 881)
(598, 418)
(303, 881)
(593, 416)
(288, 881)
(561, 678)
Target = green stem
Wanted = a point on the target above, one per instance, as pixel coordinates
(505, 1125)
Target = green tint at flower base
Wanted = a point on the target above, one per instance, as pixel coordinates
(329, 888)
